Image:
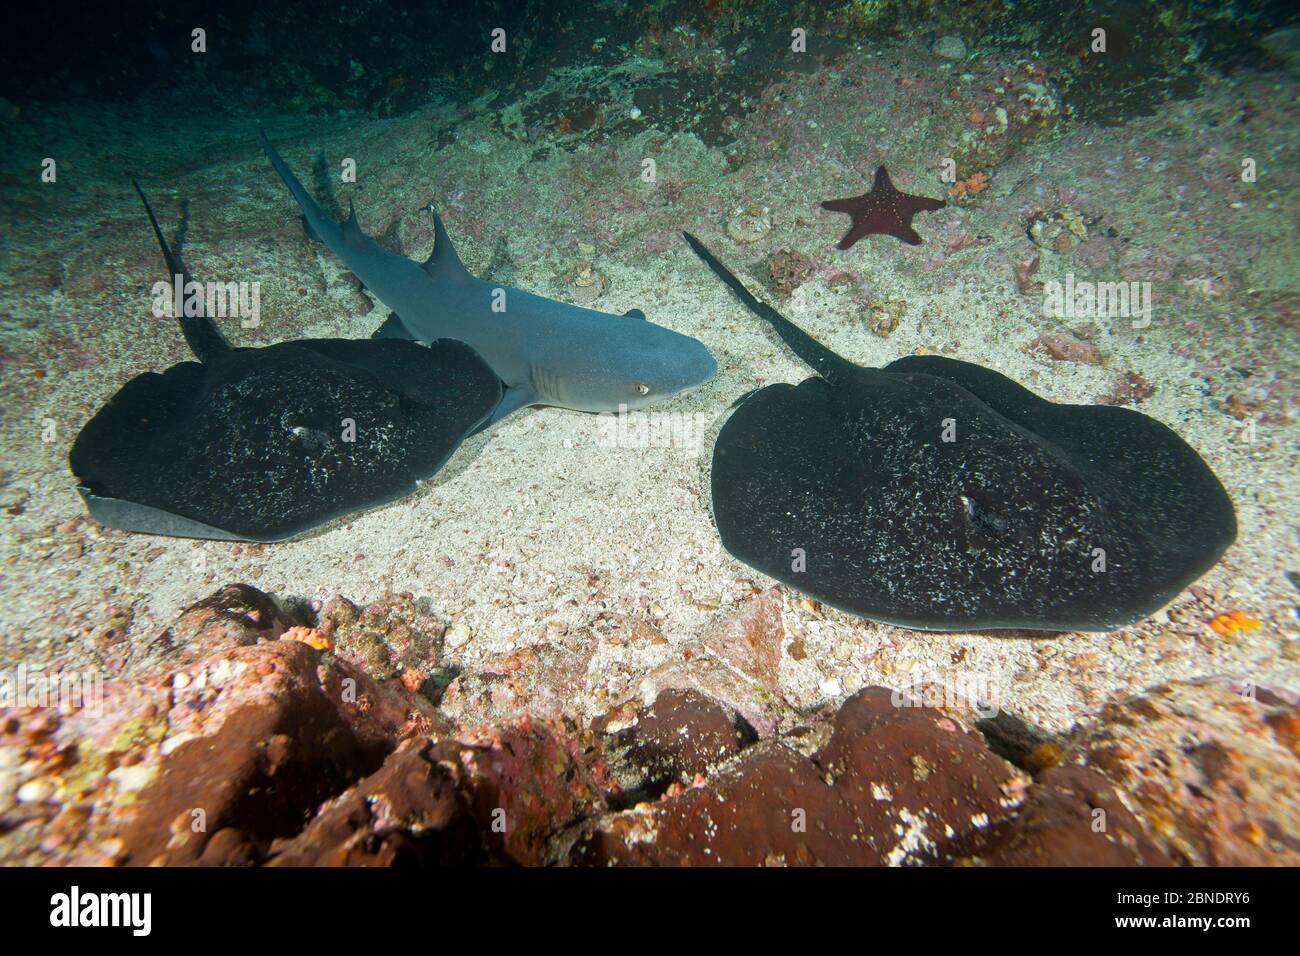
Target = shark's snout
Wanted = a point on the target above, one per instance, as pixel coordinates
(700, 367)
(683, 365)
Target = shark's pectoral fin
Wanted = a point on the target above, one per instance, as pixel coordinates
(634, 314)
(308, 231)
(515, 398)
(394, 328)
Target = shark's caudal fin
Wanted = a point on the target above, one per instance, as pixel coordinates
(827, 364)
(313, 215)
(369, 261)
(203, 338)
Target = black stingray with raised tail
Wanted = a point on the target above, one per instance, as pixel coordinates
(939, 495)
(262, 444)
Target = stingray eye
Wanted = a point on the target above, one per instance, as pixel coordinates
(642, 389)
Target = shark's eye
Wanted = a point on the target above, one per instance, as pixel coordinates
(642, 389)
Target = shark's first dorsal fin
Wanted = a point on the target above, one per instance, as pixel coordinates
(443, 263)
(203, 338)
(352, 229)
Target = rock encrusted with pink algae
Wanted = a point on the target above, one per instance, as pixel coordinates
(539, 680)
(386, 638)
(787, 270)
(1213, 766)
(491, 796)
(893, 785)
(679, 736)
(269, 749)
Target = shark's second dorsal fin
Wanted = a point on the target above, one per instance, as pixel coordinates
(443, 263)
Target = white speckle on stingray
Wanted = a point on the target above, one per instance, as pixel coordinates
(881, 792)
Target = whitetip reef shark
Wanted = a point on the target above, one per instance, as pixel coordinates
(546, 352)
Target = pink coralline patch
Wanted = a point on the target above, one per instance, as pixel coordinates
(1024, 271)
(69, 354)
(1067, 347)
(1096, 252)
(835, 277)
(539, 681)
(751, 640)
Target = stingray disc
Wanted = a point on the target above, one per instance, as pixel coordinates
(262, 444)
(939, 495)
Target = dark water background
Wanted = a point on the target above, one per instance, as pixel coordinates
(388, 58)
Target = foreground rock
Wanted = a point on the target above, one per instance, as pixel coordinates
(1213, 766)
(494, 798)
(892, 785)
(232, 744)
(256, 742)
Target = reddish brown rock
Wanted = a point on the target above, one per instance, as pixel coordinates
(410, 812)
(770, 809)
(523, 784)
(897, 785)
(276, 751)
(760, 707)
(1072, 816)
(750, 640)
(681, 735)
(262, 773)
(1211, 766)
(920, 780)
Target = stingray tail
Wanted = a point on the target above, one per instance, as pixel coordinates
(203, 338)
(823, 360)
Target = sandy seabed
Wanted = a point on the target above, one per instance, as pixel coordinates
(538, 528)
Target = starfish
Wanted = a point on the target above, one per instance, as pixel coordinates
(884, 210)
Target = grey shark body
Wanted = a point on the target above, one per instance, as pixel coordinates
(546, 352)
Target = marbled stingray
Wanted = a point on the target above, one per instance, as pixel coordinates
(939, 495)
(264, 443)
